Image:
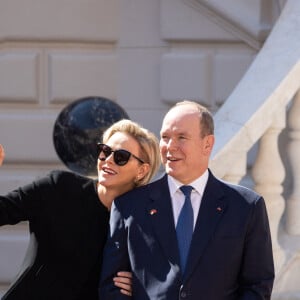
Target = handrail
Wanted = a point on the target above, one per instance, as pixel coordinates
(215, 12)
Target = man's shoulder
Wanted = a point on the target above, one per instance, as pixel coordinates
(240, 191)
(143, 192)
(232, 190)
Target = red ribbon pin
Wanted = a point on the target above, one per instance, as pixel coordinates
(153, 211)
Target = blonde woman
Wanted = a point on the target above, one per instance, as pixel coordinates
(68, 217)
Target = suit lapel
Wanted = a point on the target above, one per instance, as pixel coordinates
(213, 205)
(161, 216)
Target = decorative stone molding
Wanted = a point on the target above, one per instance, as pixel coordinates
(252, 26)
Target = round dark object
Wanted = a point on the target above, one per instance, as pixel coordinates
(79, 127)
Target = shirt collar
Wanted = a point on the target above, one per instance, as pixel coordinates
(198, 184)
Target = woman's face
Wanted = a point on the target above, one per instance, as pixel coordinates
(120, 178)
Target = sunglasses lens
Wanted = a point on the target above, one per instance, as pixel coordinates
(121, 157)
(105, 149)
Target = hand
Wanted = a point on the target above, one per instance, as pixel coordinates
(2, 154)
(123, 280)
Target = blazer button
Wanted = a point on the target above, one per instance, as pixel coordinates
(183, 294)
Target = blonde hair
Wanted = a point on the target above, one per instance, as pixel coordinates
(146, 140)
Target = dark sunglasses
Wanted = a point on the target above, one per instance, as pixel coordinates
(121, 156)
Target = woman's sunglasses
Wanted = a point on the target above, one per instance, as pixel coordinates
(121, 156)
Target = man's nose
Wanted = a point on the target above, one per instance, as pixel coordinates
(172, 143)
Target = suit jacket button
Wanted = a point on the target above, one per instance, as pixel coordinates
(183, 294)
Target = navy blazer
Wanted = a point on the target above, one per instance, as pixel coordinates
(230, 255)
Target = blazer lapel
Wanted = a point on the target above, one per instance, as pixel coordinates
(161, 216)
(213, 206)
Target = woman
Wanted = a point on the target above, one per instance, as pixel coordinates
(68, 217)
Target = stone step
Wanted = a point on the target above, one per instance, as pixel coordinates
(287, 296)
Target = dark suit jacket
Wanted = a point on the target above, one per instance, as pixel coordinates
(68, 226)
(230, 255)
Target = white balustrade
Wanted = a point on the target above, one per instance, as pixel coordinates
(239, 168)
(292, 223)
(268, 174)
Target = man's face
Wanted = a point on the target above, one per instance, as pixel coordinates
(184, 153)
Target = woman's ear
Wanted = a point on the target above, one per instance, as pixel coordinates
(143, 171)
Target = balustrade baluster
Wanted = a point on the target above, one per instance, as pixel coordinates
(238, 169)
(268, 175)
(292, 221)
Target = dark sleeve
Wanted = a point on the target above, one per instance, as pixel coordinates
(25, 203)
(257, 271)
(115, 257)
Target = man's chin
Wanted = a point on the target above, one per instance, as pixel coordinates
(170, 171)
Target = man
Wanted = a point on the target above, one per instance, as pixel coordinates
(230, 254)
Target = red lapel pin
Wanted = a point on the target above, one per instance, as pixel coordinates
(153, 211)
(219, 208)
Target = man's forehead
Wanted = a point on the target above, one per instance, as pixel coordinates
(180, 119)
(180, 127)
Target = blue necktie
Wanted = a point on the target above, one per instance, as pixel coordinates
(185, 225)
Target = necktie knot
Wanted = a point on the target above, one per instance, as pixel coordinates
(186, 189)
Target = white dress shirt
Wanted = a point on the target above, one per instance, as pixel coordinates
(177, 197)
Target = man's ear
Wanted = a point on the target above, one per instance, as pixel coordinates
(209, 141)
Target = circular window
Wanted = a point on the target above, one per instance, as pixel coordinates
(79, 127)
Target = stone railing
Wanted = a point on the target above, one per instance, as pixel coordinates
(255, 114)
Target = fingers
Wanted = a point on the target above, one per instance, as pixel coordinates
(2, 154)
(124, 282)
(125, 274)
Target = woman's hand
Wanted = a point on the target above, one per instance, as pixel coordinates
(2, 154)
(123, 280)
